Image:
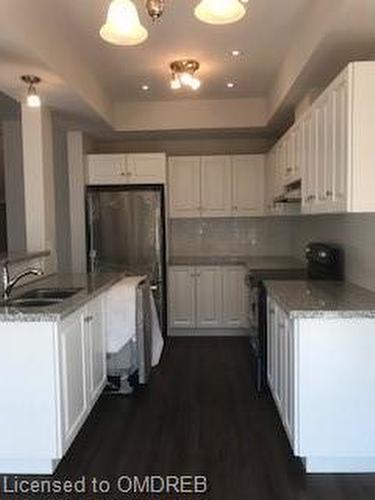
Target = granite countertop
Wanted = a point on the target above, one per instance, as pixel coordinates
(92, 285)
(252, 263)
(322, 299)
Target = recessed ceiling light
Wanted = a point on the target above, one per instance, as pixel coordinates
(230, 85)
(236, 53)
(145, 87)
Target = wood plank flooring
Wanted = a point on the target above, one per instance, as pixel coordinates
(200, 415)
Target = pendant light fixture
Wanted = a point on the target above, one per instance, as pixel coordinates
(123, 26)
(183, 74)
(220, 11)
(155, 8)
(33, 99)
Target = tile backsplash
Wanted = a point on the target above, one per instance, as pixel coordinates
(230, 237)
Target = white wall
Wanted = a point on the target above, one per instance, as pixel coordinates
(354, 232)
(190, 114)
(185, 146)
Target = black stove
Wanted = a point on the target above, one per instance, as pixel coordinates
(323, 262)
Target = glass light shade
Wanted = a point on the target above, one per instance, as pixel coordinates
(123, 26)
(195, 84)
(175, 83)
(220, 11)
(186, 79)
(33, 100)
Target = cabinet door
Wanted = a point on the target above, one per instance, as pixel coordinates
(289, 382)
(182, 290)
(209, 297)
(309, 162)
(340, 145)
(248, 185)
(184, 186)
(298, 151)
(95, 349)
(147, 168)
(271, 344)
(322, 164)
(106, 169)
(216, 186)
(235, 297)
(73, 377)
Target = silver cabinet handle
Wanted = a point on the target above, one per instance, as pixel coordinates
(154, 288)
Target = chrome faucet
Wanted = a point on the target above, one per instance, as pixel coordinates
(8, 283)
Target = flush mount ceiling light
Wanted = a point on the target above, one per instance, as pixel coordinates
(220, 11)
(155, 8)
(183, 74)
(123, 26)
(33, 99)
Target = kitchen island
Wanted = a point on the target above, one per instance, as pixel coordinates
(321, 371)
(52, 369)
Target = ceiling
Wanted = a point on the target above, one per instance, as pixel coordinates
(263, 36)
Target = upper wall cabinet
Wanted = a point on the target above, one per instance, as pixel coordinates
(331, 147)
(248, 185)
(148, 168)
(184, 186)
(216, 186)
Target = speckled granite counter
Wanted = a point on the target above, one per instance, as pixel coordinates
(254, 263)
(92, 285)
(322, 299)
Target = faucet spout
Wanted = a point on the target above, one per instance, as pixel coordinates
(8, 283)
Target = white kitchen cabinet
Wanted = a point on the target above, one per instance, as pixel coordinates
(248, 185)
(94, 326)
(106, 169)
(147, 168)
(315, 374)
(120, 169)
(235, 297)
(209, 298)
(59, 369)
(216, 174)
(182, 297)
(73, 363)
(216, 186)
(309, 167)
(184, 186)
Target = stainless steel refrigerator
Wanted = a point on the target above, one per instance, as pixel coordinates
(126, 232)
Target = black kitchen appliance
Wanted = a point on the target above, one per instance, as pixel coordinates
(323, 262)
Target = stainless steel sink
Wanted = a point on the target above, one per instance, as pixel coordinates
(30, 302)
(50, 293)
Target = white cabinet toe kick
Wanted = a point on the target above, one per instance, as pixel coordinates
(321, 374)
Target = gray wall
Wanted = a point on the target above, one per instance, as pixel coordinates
(354, 232)
(243, 236)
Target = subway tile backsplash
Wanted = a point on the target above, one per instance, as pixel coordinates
(230, 237)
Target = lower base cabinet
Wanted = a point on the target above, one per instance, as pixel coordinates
(321, 376)
(206, 298)
(55, 373)
(82, 366)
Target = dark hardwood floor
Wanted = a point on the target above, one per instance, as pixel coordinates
(199, 415)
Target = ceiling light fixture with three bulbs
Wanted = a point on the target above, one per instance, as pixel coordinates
(183, 74)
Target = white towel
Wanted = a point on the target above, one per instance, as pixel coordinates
(121, 313)
(157, 338)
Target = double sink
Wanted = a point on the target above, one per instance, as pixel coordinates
(41, 297)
